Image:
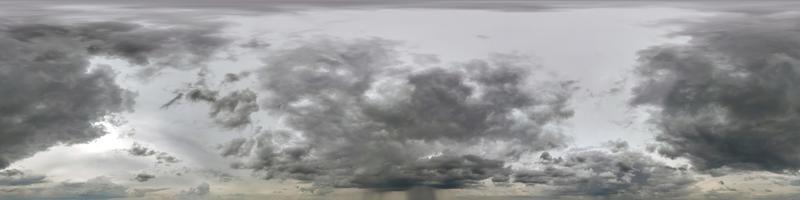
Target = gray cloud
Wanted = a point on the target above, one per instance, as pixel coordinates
(161, 157)
(144, 177)
(180, 47)
(139, 150)
(15, 177)
(230, 111)
(143, 192)
(199, 192)
(212, 6)
(231, 77)
(96, 188)
(234, 109)
(51, 96)
(611, 173)
(728, 97)
(355, 117)
(56, 98)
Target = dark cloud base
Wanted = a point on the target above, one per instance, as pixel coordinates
(53, 96)
(614, 172)
(356, 118)
(728, 98)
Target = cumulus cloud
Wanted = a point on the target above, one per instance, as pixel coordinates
(356, 117)
(96, 188)
(15, 177)
(144, 177)
(729, 97)
(54, 97)
(139, 150)
(613, 172)
(181, 47)
(230, 111)
(161, 157)
(50, 95)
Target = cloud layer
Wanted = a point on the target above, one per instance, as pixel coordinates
(96, 188)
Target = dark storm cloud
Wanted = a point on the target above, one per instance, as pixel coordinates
(49, 94)
(729, 97)
(181, 47)
(611, 173)
(357, 118)
(15, 177)
(52, 95)
(96, 188)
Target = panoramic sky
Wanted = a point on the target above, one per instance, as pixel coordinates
(385, 100)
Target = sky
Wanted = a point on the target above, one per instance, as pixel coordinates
(382, 100)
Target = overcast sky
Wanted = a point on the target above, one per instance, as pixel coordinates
(422, 100)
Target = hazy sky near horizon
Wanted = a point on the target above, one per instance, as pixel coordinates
(399, 100)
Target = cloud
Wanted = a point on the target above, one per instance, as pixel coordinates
(614, 172)
(231, 77)
(144, 177)
(180, 47)
(259, 7)
(230, 111)
(234, 109)
(96, 188)
(728, 97)
(15, 177)
(356, 117)
(219, 175)
(161, 157)
(51, 96)
(199, 192)
(143, 192)
(57, 98)
(139, 150)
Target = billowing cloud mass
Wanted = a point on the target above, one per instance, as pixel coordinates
(52, 96)
(49, 94)
(728, 98)
(615, 172)
(355, 116)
